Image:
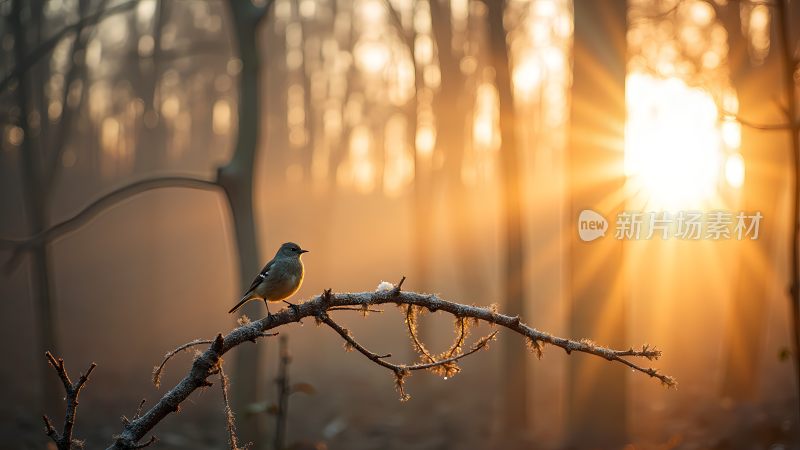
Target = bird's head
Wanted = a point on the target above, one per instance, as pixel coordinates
(290, 250)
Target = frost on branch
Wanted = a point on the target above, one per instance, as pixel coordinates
(320, 307)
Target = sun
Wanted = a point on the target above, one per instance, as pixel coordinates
(675, 151)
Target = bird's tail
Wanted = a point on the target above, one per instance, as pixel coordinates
(247, 297)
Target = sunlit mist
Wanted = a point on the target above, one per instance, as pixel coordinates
(672, 141)
(679, 153)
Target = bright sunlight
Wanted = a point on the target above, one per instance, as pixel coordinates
(674, 144)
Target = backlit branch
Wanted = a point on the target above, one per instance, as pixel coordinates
(158, 370)
(64, 440)
(400, 370)
(207, 363)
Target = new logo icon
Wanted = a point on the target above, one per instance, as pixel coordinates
(591, 225)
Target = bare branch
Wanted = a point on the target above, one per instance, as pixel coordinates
(21, 67)
(76, 71)
(726, 115)
(401, 370)
(151, 441)
(661, 15)
(50, 429)
(99, 205)
(139, 409)
(362, 310)
(284, 390)
(64, 440)
(317, 307)
(397, 22)
(411, 325)
(157, 371)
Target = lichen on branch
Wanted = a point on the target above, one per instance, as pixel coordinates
(320, 307)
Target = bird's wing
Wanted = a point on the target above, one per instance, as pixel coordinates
(261, 276)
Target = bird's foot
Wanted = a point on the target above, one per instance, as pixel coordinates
(293, 307)
(269, 314)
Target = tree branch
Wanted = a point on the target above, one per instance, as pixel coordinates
(20, 245)
(39, 52)
(725, 115)
(394, 17)
(158, 370)
(401, 371)
(64, 440)
(75, 71)
(207, 363)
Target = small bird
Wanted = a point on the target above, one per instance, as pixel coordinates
(279, 279)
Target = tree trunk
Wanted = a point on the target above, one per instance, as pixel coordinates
(597, 405)
(236, 178)
(783, 17)
(516, 381)
(452, 120)
(37, 220)
(762, 152)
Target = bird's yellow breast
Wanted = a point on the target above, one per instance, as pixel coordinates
(283, 280)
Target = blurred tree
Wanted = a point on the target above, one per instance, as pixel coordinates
(236, 178)
(595, 268)
(41, 148)
(422, 217)
(786, 14)
(746, 321)
(453, 109)
(516, 382)
(775, 24)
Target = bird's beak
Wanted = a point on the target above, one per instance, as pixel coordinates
(303, 251)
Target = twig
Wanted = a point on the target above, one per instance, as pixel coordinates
(157, 371)
(230, 423)
(345, 308)
(206, 363)
(400, 370)
(64, 440)
(411, 325)
(148, 443)
(727, 115)
(282, 380)
(139, 409)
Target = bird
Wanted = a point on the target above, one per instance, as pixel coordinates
(278, 280)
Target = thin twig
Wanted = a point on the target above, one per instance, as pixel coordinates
(401, 370)
(411, 325)
(282, 381)
(148, 443)
(727, 115)
(230, 423)
(157, 371)
(345, 308)
(380, 359)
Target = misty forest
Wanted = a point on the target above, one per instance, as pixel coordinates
(436, 224)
